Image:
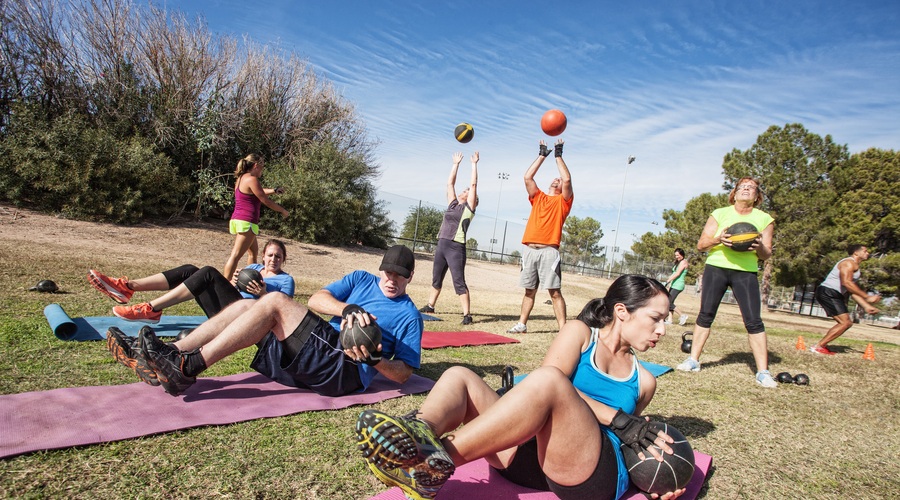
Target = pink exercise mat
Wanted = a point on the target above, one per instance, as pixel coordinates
(478, 481)
(62, 418)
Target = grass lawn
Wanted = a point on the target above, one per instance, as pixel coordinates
(836, 438)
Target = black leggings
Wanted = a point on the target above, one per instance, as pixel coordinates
(744, 286)
(210, 289)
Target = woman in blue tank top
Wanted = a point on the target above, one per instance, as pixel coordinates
(559, 429)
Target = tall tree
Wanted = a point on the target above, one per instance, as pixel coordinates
(866, 212)
(422, 224)
(581, 238)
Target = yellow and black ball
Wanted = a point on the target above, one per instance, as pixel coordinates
(464, 132)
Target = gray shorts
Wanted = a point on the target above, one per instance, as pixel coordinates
(541, 268)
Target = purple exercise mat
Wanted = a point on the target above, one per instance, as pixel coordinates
(76, 416)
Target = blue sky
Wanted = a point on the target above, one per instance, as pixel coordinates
(675, 84)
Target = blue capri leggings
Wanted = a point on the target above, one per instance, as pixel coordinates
(745, 288)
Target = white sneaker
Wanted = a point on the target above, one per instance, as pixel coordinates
(764, 378)
(667, 322)
(682, 320)
(519, 328)
(689, 365)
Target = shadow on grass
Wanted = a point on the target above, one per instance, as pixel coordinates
(744, 357)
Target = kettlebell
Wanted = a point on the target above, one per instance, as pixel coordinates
(45, 286)
(183, 333)
(686, 343)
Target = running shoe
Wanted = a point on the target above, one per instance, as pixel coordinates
(406, 441)
(519, 328)
(689, 365)
(818, 349)
(166, 360)
(764, 378)
(467, 319)
(415, 484)
(138, 312)
(683, 319)
(114, 288)
(126, 351)
(426, 309)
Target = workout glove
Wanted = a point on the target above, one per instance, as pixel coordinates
(634, 432)
(557, 150)
(544, 151)
(373, 359)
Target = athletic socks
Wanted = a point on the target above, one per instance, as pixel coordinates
(193, 363)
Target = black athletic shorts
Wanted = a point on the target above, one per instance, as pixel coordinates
(832, 301)
(525, 470)
(311, 357)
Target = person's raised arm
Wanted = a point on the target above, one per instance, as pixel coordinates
(530, 185)
(472, 200)
(451, 180)
(259, 192)
(564, 175)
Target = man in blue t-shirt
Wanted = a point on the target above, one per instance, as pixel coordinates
(298, 348)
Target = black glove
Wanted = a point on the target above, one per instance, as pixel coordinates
(634, 432)
(373, 359)
(557, 150)
(544, 151)
(352, 309)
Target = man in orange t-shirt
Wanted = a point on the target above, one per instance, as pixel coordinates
(541, 264)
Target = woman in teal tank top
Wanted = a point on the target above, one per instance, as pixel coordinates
(676, 282)
(573, 411)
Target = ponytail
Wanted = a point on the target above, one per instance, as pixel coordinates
(595, 314)
(246, 163)
(631, 290)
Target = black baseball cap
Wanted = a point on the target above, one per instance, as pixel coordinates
(399, 259)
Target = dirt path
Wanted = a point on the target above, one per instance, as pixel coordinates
(496, 295)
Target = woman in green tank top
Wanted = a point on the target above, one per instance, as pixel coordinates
(676, 282)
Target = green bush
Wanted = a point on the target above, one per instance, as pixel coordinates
(330, 198)
(69, 166)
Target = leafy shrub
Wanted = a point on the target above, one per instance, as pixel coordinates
(68, 166)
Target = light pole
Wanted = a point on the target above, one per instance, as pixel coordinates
(618, 216)
(503, 176)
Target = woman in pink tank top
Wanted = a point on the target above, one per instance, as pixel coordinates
(249, 195)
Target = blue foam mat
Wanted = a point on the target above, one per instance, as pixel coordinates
(65, 327)
(653, 368)
(428, 317)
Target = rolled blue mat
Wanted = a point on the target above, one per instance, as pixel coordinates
(60, 322)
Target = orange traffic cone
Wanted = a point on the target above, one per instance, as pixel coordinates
(870, 353)
(800, 345)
